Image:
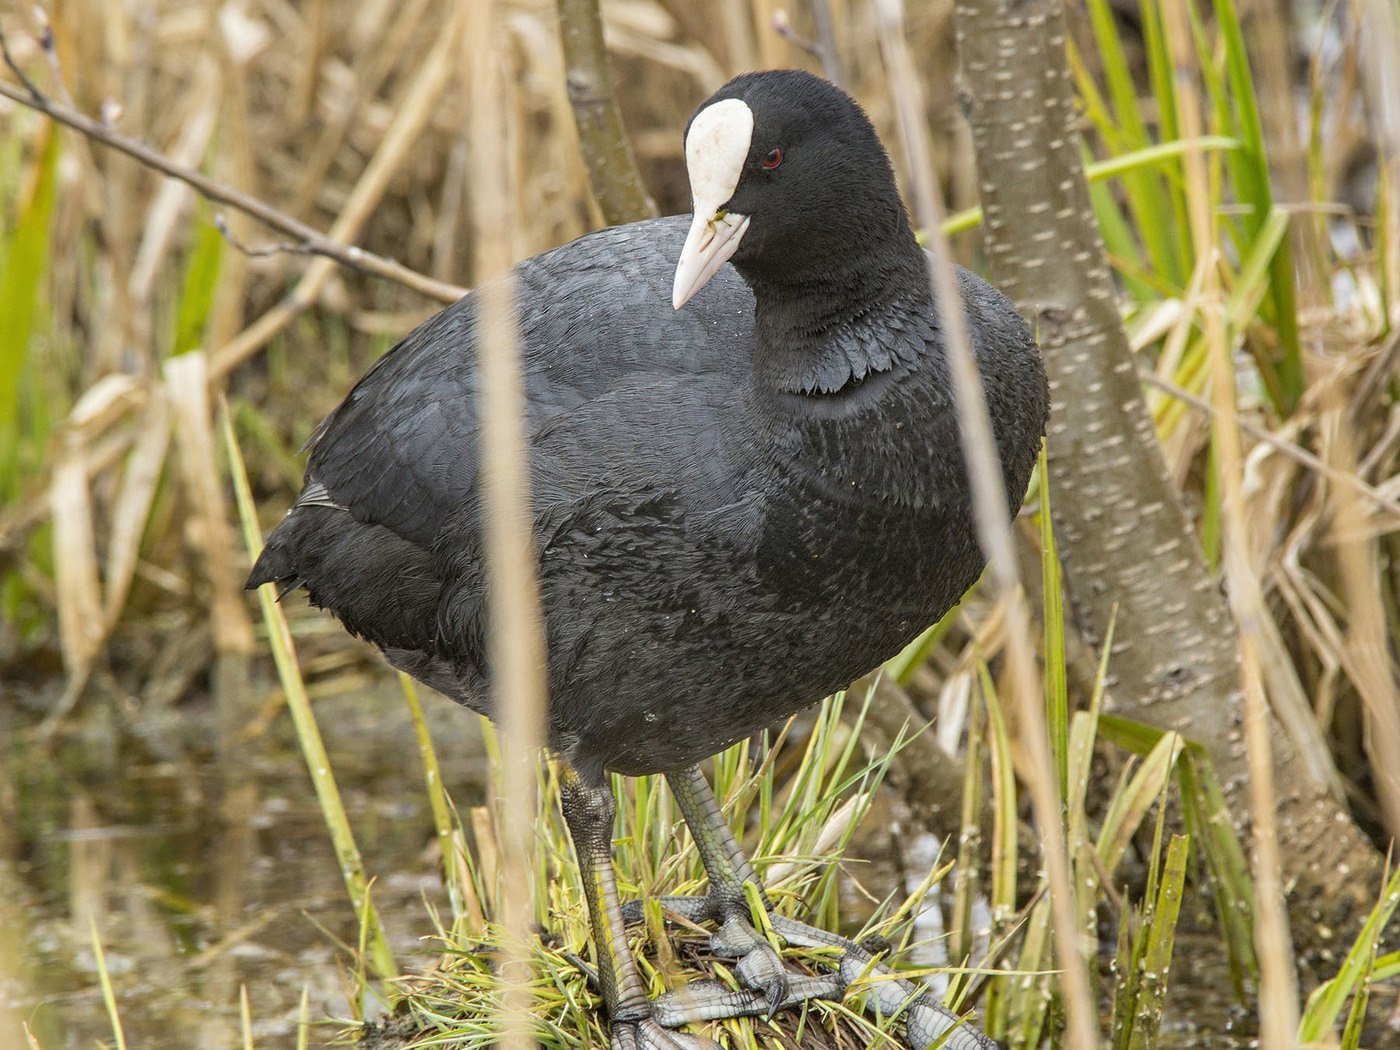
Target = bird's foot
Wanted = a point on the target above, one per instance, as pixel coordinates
(769, 988)
(648, 1034)
(758, 965)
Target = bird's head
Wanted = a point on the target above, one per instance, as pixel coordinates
(786, 176)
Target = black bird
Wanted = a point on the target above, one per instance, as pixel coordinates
(748, 490)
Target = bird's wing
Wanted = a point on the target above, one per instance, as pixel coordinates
(597, 328)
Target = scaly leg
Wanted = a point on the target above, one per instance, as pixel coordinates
(768, 986)
(589, 812)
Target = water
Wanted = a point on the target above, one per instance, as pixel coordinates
(204, 881)
(198, 891)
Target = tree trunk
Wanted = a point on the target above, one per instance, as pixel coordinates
(1123, 535)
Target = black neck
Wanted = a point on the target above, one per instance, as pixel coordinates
(813, 329)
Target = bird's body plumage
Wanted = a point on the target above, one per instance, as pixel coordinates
(716, 550)
(747, 489)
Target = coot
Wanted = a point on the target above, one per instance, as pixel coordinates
(747, 484)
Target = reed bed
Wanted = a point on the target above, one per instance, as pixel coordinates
(156, 348)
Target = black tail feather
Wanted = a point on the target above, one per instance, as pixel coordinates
(382, 587)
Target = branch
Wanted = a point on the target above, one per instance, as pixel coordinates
(612, 170)
(307, 239)
(18, 70)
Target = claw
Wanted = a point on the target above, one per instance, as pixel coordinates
(762, 970)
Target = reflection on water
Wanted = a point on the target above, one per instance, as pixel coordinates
(201, 882)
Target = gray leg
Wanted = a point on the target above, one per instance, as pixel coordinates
(769, 987)
(728, 869)
(589, 813)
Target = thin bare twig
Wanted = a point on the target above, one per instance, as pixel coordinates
(17, 70)
(782, 25)
(313, 241)
(50, 49)
(260, 251)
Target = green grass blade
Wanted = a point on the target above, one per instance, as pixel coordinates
(1165, 153)
(22, 268)
(1160, 936)
(449, 833)
(1325, 1004)
(1387, 967)
(379, 955)
(1056, 678)
(1001, 990)
(1236, 101)
(197, 289)
(304, 1018)
(1356, 1017)
(1144, 190)
(104, 979)
(1253, 281)
(1208, 822)
(1129, 806)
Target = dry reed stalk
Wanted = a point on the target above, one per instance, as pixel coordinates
(774, 50)
(1366, 651)
(1380, 60)
(187, 383)
(110, 65)
(370, 73)
(1278, 984)
(1271, 496)
(30, 511)
(213, 540)
(487, 847)
(994, 530)
(1350, 479)
(78, 587)
(331, 248)
(828, 47)
(132, 507)
(394, 150)
(82, 614)
(517, 657)
(172, 199)
(740, 48)
(315, 44)
(1182, 443)
(236, 44)
(553, 188)
(635, 36)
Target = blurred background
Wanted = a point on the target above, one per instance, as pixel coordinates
(151, 788)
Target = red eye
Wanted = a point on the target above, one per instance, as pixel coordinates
(773, 159)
